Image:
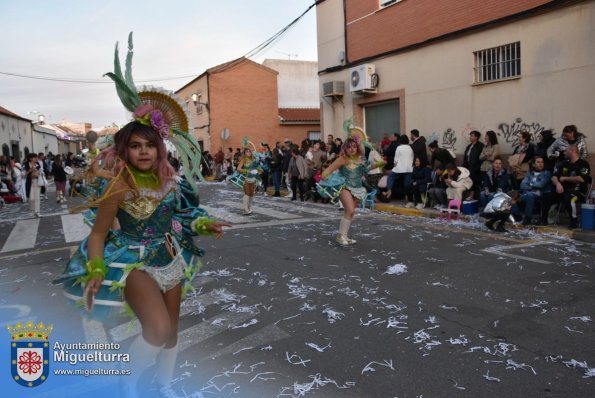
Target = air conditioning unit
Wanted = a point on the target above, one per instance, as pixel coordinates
(333, 89)
(363, 78)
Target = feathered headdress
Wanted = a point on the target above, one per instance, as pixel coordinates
(159, 109)
(357, 134)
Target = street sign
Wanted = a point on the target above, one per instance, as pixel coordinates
(225, 134)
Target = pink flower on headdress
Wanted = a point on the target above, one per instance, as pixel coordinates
(158, 123)
(356, 138)
(142, 110)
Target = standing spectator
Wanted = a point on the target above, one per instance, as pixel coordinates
(45, 174)
(297, 172)
(314, 159)
(384, 143)
(265, 163)
(17, 178)
(330, 142)
(338, 146)
(443, 156)
(59, 179)
(403, 166)
(376, 162)
(218, 161)
(389, 151)
(418, 144)
(495, 180)
(69, 161)
(287, 147)
(489, 151)
(33, 172)
(236, 157)
(544, 141)
(533, 187)
(277, 168)
(229, 160)
(571, 182)
(471, 160)
(570, 136)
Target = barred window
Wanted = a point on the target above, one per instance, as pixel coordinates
(498, 63)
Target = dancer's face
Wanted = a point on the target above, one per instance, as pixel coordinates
(142, 153)
(351, 149)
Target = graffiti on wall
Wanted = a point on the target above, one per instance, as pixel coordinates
(511, 131)
(449, 138)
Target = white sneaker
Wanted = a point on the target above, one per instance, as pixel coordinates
(420, 206)
(351, 240)
(409, 205)
(342, 240)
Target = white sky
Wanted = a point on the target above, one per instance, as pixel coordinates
(76, 39)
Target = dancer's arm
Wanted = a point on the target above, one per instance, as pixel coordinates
(340, 161)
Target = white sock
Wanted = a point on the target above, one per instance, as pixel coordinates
(250, 199)
(142, 356)
(344, 226)
(246, 204)
(166, 363)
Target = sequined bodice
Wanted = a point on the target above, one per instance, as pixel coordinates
(147, 216)
(353, 172)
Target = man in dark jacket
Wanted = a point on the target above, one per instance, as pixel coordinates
(471, 158)
(277, 167)
(389, 152)
(418, 144)
(443, 156)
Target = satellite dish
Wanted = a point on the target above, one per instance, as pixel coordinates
(225, 134)
(91, 137)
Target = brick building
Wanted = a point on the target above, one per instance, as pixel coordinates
(452, 66)
(241, 97)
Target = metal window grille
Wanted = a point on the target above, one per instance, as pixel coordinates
(498, 63)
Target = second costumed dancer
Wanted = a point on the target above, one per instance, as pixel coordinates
(346, 175)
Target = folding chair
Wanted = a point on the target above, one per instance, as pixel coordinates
(368, 202)
(454, 206)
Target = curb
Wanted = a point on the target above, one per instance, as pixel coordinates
(577, 234)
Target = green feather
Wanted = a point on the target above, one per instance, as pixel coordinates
(129, 99)
(129, 79)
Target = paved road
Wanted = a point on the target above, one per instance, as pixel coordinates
(417, 308)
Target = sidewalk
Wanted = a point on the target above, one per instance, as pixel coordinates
(398, 207)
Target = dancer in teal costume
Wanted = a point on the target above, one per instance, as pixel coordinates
(345, 176)
(149, 262)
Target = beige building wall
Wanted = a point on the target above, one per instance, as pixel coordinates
(297, 82)
(435, 82)
(13, 130)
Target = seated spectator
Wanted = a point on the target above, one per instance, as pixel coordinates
(499, 209)
(571, 182)
(534, 185)
(420, 177)
(495, 180)
(437, 190)
(458, 181)
(570, 135)
(440, 155)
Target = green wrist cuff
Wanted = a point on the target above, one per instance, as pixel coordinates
(200, 225)
(96, 268)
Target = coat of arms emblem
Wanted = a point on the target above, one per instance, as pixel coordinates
(30, 353)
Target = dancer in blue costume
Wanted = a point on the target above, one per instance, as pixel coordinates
(150, 261)
(352, 168)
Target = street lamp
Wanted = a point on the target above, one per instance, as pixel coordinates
(196, 99)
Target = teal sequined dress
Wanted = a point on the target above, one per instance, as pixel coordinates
(140, 242)
(348, 176)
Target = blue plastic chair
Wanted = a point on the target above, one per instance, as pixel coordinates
(369, 201)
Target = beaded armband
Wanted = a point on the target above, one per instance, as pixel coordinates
(200, 225)
(324, 174)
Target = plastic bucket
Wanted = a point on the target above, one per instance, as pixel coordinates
(588, 217)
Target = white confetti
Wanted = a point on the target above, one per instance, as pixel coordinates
(397, 269)
(369, 368)
(490, 378)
